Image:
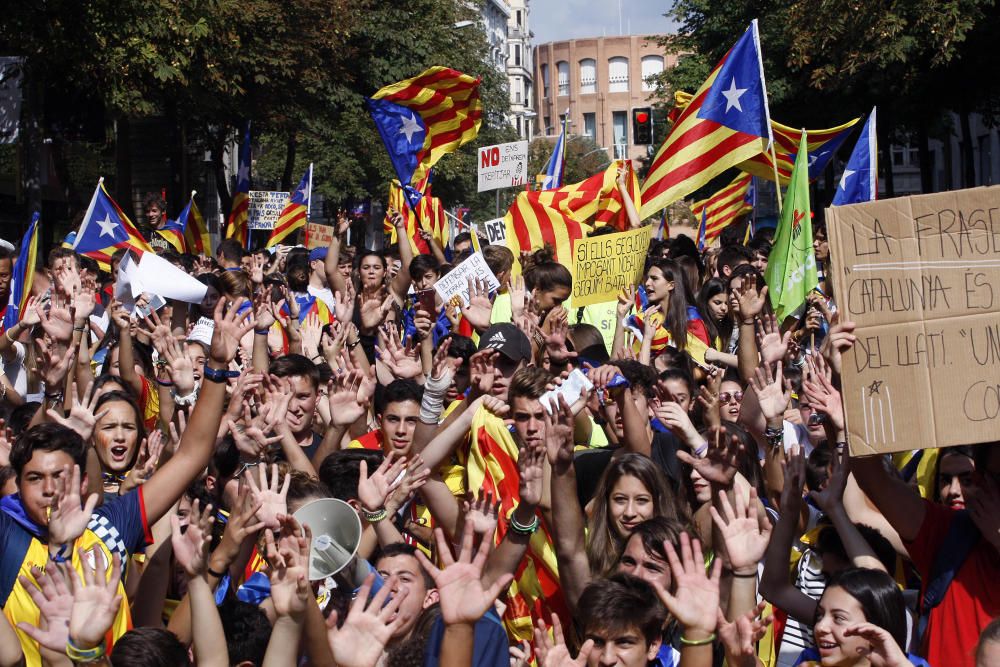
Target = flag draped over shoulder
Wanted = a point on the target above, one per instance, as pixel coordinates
(239, 214)
(492, 466)
(400, 202)
(791, 266)
(559, 217)
(105, 229)
(293, 216)
(823, 144)
(724, 207)
(726, 123)
(423, 118)
(23, 275)
(859, 181)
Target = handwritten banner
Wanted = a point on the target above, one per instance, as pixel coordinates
(265, 208)
(456, 282)
(920, 276)
(605, 265)
(318, 236)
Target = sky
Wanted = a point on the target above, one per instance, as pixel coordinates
(556, 20)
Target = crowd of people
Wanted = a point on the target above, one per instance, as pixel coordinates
(694, 511)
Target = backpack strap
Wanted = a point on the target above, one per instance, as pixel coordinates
(962, 537)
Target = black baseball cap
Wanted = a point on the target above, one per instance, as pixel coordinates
(508, 340)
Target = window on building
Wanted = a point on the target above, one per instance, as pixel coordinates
(651, 66)
(905, 156)
(619, 121)
(590, 125)
(545, 81)
(517, 55)
(618, 75)
(517, 18)
(588, 75)
(548, 125)
(563, 68)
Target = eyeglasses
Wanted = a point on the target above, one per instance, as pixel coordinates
(816, 418)
(726, 396)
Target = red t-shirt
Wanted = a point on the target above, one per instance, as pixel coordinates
(972, 599)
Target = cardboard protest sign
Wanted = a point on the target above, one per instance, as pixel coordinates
(456, 283)
(605, 265)
(920, 276)
(318, 236)
(503, 166)
(495, 231)
(265, 208)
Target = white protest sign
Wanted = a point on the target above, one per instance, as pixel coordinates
(265, 208)
(456, 282)
(503, 165)
(495, 230)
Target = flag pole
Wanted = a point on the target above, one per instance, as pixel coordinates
(777, 182)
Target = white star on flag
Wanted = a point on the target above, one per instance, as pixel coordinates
(304, 191)
(733, 96)
(843, 178)
(243, 174)
(410, 127)
(107, 227)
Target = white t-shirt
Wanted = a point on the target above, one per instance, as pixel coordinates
(15, 371)
(323, 294)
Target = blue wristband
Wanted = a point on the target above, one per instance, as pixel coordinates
(217, 376)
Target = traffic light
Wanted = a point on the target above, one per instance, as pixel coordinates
(642, 126)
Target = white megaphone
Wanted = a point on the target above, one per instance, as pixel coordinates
(336, 531)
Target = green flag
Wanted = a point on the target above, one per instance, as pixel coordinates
(791, 266)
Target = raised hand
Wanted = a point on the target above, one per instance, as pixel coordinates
(374, 309)
(311, 331)
(460, 583)
(230, 328)
(739, 638)
(772, 345)
(479, 308)
(745, 533)
(374, 489)
(414, 477)
(553, 652)
(257, 269)
(96, 602)
(555, 340)
(676, 418)
(191, 545)
(343, 306)
(67, 518)
(831, 498)
(179, 366)
(883, 651)
(369, 625)
(271, 498)
(289, 559)
(57, 321)
(794, 473)
(31, 315)
(559, 435)
(838, 340)
(696, 600)
(531, 469)
(626, 301)
(402, 361)
(483, 513)
(55, 361)
(146, 462)
(773, 393)
(264, 310)
(749, 301)
(482, 371)
(54, 599)
(719, 465)
(348, 396)
(158, 331)
(81, 416)
(242, 524)
(821, 393)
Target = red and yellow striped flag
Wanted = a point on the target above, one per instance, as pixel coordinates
(296, 211)
(398, 202)
(723, 207)
(559, 217)
(239, 214)
(492, 466)
(196, 237)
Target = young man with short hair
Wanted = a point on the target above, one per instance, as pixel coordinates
(303, 379)
(624, 618)
(397, 420)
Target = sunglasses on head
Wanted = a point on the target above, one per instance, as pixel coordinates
(726, 396)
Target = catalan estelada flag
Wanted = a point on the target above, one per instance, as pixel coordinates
(433, 218)
(173, 232)
(859, 180)
(823, 144)
(423, 118)
(296, 210)
(726, 123)
(23, 275)
(552, 178)
(492, 466)
(400, 202)
(724, 207)
(239, 214)
(559, 217)
(105, 229)
(309, 305)
(196, 238)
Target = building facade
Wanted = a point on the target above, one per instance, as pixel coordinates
(603, 83)
(495, 15)
(520, 70)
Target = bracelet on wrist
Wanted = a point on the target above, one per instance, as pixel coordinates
(60, 556)
(218, 376)
(351, 346)
(698, 642)
(261, 332)
(374, 517)
(164, 383)
(80, 329)
(217, 575)
(740, 575)
(523, 529)
(78, 654)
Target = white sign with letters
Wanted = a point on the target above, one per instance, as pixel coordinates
(456, 282)
(495, 230)
(503, 166)
(265, 208)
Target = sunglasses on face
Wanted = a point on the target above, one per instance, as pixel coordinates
(726, 396)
